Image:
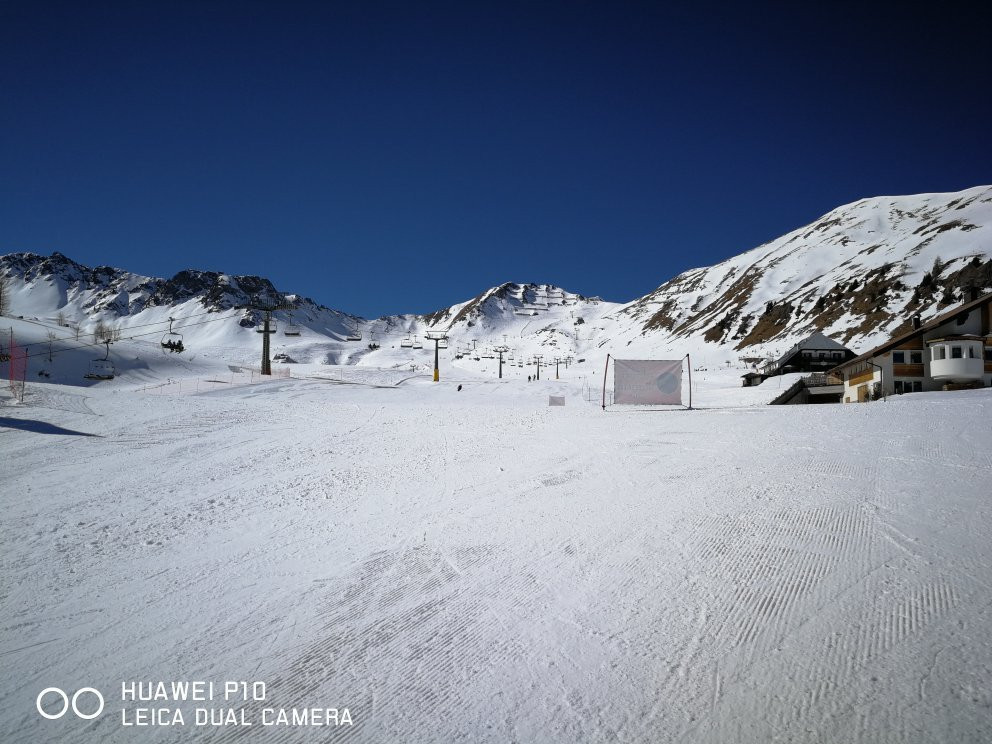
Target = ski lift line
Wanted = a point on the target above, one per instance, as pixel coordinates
(141, 325)
(129, 337)
(79, 346)
(166, 322)
(162, 322)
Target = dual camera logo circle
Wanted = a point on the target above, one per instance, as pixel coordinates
(66, 704)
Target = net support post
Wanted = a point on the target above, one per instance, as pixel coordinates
(605, 369)
(688, 363)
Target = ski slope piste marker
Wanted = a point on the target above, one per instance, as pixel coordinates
(652, 382)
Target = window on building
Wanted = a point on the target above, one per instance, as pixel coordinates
(916, 357)
(937, 353)
(971, 352)
(898, 357)
(898, 387)
(955, 352)
(917, 386)
(988, 355)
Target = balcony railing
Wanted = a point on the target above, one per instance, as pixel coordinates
(957, 369)
(818, 379)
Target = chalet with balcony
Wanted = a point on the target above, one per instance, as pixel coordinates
(950, 352)
(815, 353)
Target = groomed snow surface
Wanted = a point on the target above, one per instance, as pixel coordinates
(477, 566)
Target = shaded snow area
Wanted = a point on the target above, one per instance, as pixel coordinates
(477, 566)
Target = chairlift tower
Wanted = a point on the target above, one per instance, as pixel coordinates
(537, 360)
(267, 332)
(501, 350)
(557, 362)
(436, 337)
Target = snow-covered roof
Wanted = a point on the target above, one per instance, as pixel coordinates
(818, 342)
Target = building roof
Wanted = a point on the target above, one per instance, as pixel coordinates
(930, 325)
(818, 342)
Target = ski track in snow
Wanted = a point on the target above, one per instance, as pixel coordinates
(477, 566)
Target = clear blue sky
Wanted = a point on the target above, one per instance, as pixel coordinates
(399, 157)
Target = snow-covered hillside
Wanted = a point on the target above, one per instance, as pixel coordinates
(209, 308)
(858, 274)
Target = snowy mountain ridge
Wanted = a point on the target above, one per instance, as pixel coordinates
(115, 297)
(857, 274)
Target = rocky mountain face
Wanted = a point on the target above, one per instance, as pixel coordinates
(107, 291)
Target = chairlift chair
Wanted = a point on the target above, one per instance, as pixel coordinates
(172, 341)
(354, 334)
(417, 344)
(292, 329)
(101, 369)
(406, 343)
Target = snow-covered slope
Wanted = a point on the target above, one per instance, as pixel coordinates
(475, 566)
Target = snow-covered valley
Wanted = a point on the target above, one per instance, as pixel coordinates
(473, 565)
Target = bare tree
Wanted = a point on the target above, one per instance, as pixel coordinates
(103, 332)
(60, 319)
(52, 337)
